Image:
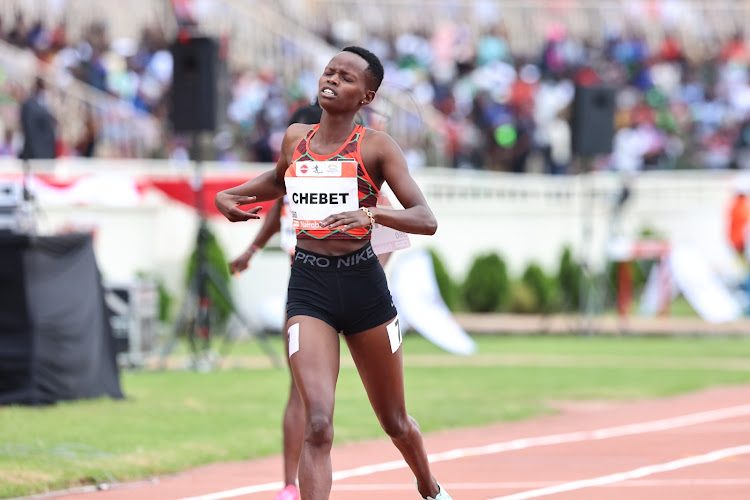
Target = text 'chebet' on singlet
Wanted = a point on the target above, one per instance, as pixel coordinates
(321, 185)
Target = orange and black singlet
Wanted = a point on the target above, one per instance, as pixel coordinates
(320, 185)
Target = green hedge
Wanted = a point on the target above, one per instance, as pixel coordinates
(448, 287)
(487, 286)
(569, 279)
(523, 299)
(545, 289)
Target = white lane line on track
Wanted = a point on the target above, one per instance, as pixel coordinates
(509, 485)
(449, 486)
(516, 444)
(639, 483)
(631, 474)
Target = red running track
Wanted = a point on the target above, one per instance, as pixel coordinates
(690, 447)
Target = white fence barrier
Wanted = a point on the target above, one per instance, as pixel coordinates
(522, 217)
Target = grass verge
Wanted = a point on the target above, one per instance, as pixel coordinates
(174, 420)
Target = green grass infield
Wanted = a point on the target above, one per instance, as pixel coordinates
(172, 420)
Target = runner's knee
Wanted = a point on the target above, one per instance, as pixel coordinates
(319, 429)
(396, 425)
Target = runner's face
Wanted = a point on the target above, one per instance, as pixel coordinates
(343, 84)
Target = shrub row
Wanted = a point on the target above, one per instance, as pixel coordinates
(488, 287)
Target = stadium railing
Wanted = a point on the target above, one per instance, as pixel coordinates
(123, 131)
(695, 22)
(261, 38)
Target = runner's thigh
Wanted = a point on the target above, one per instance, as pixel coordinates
(313, 347)
(377, 354)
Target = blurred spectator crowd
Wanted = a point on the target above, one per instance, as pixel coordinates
(677, 106)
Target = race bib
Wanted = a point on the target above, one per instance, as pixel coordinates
(319, 189)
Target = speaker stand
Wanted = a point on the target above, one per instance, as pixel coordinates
(592, 287)
(197, 314)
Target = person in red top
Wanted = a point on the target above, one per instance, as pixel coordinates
(739, 216)
(294, 418)
(739, 229)
(279, 219)
(332, 174)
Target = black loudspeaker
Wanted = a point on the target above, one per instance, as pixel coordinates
(195, 81)
(593, 120)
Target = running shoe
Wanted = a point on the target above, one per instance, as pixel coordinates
(289, 493)
(442, 494)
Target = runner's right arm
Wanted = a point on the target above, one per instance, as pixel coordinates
(267, 186)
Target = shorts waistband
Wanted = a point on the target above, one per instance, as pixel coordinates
(333, 262)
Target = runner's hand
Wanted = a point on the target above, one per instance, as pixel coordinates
(349, 220)
(240, 263)
(228, 205)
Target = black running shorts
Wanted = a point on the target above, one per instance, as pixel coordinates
(349, 292)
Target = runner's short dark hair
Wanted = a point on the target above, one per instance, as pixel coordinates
(374, 66)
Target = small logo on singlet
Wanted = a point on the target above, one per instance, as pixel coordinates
(322, 168)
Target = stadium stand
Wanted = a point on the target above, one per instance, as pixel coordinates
(475, 85)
